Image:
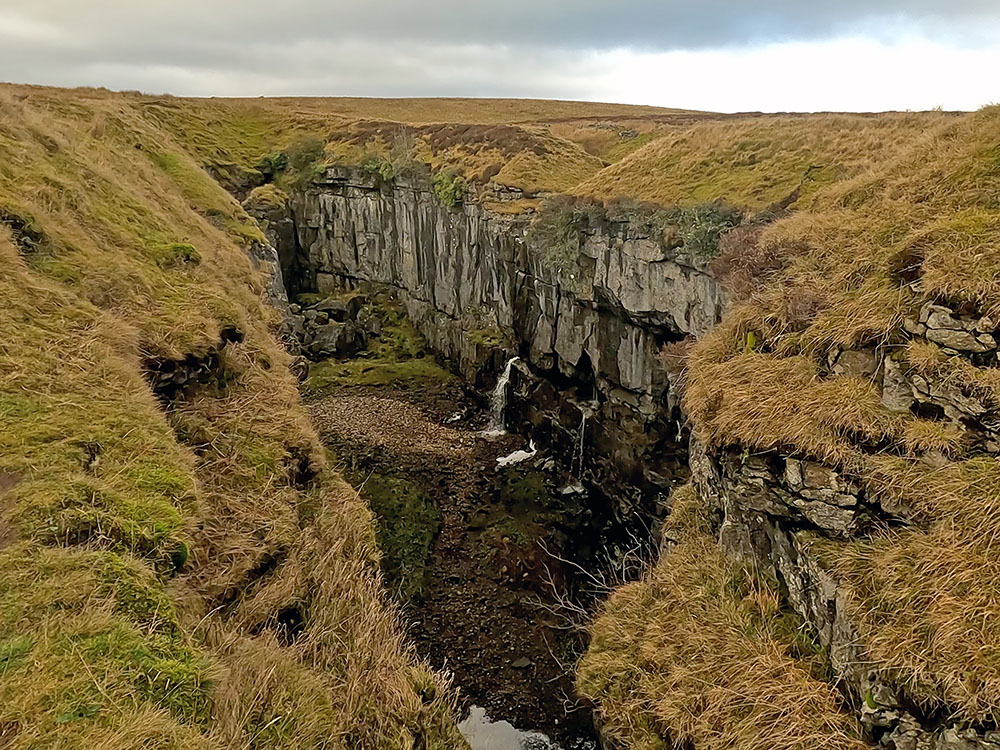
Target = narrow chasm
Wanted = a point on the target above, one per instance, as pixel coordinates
(495, 549)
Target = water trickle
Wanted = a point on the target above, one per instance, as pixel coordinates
(498, 400)
(579, 446)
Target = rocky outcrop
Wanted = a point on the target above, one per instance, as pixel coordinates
(774, 511)
(333, 327)
(776, 507)
(479, 293)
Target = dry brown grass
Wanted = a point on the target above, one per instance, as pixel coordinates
(137, 604)
(699, 653)
(757, 161)
(924, 600)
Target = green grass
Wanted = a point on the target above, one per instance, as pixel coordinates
(398, 357)
(757, 161)
(408, 522)
(131, 614)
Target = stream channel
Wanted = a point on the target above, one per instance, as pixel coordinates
(495, 564)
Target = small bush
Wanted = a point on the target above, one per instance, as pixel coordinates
(556, 233)
(449, 188)
(379, 167)
(399, 161)
(303, 158)
(700, 228)
(696, 229)
(272, 164)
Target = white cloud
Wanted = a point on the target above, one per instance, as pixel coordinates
(853, 74)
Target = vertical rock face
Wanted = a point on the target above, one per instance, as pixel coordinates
(465, 271)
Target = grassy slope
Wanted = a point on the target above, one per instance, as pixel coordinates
(756, 162)
(130, 614)
(924, 599)
(506, 134)
(101, 639)
(700, 653)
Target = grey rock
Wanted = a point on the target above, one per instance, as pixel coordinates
(459, 271)
(860, 363)
(897, 393)
(336, 309)
(914, 327)
(960, 340)
(327, 283)
(936, 316)
(337, 340)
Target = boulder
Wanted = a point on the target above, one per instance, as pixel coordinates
(335, 309)
(338, 340)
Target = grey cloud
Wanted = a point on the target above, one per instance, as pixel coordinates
(644, 24)
(416, 47)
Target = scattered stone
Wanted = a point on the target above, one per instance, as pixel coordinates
(335, 309)
(897, 393)
(523, 663)
(961, 341)
(338, 340)
(860, 363)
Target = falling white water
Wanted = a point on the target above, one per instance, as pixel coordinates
(518, 457)
(579, 447)
(498, 401)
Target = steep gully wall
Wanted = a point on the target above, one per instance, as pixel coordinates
(591, 362)
(593, 352)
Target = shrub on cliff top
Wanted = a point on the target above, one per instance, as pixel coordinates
(449, 187)
(556, 233)
(302, 159)
(701, 227)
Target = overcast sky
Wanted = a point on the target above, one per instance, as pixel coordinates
(724, 55)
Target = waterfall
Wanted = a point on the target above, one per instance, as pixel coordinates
(579, 447)
(498, 400)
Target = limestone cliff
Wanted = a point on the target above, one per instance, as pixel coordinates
(467, 274)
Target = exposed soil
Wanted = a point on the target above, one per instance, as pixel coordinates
(478, 608)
